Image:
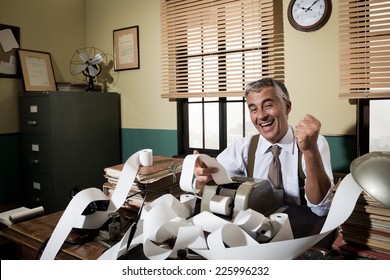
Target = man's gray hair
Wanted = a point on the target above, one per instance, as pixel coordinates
(258, 85)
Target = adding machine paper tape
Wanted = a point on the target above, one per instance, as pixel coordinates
(146, 157)
(73, 218)
(27, 214)
(168, 218)
(242, 232)
(220, 204)
(187, 174)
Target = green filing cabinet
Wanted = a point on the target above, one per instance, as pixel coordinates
(67, 139)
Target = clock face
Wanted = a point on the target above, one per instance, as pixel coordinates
(309, 15)
(308, 12)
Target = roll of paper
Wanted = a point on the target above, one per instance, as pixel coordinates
(255, 224)
(265, 232)
(221, 205)
(228, 192)
(189, 200)
(146, 157)
(27, 215)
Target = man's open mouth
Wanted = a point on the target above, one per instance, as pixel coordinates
(266, 124)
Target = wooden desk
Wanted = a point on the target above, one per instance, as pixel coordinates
(31, 235)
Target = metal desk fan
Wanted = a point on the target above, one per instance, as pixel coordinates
(87, 61)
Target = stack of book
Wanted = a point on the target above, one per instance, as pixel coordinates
(151, 181)
(366, 233)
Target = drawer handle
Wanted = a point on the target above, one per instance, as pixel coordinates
(34, 161)
(33, 123)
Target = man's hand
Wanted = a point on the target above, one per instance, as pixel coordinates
(202, 173)
(306, 133)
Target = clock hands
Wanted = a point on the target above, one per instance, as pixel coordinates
(309, 9)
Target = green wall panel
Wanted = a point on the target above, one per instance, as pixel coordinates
(343, 151)
(162, 142)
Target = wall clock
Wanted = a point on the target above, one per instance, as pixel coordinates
(309, 15)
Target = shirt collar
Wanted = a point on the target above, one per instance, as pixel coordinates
(287, 143)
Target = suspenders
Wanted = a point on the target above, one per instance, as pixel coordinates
(251, 154)
(251, 163)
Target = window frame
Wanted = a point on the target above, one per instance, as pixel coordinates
(249, 46)
(183, 127)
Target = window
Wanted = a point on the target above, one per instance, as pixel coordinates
(364, 29)
(210, 50)
(211, 124)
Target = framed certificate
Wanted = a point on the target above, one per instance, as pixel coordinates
(126, 48)
(37, 70)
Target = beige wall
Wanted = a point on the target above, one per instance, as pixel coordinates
(60, 28)
(312, 76)
(54, 26)
(140, 91)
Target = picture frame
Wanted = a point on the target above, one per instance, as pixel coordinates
(126, 48)
(10, 42)
(37, 70)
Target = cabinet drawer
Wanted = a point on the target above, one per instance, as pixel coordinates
(34, 114)
(39, 190)
(36, 153)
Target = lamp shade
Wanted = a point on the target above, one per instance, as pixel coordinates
(372, 172)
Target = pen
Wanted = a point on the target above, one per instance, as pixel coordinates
(134, 225)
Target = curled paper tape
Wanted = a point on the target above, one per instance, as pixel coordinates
(73, 218)
(250, 220)
(264, 232)
(167, 217)
(189, 201)
(255, 224)
(242, 246)
(231, 235)
(187, 175)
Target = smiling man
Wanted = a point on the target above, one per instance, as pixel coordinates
(301, 146)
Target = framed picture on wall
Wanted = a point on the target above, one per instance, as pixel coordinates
(37, 70)
(126, 48)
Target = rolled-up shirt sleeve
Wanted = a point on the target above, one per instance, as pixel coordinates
(322, 208)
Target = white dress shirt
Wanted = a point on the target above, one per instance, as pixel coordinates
(235, 160)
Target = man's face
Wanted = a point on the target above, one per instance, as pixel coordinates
(269, 114)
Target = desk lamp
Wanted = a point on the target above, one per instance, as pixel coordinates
(372, 172)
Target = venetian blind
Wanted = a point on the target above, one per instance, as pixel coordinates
(364, 30)
(214, 48)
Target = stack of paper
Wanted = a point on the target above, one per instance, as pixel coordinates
(153, 181)
(367, 229)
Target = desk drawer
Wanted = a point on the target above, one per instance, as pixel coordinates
(34, 114)
(36, 153)
(39, 190)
